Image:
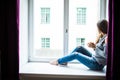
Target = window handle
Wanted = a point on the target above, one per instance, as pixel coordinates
(66, 30)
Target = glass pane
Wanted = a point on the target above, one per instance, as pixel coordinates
(83, 16)
(48, 38)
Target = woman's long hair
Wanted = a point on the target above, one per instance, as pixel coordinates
(102, 25)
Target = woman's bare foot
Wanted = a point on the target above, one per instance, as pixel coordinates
(55, 62)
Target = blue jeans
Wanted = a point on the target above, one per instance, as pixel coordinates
(82, 55)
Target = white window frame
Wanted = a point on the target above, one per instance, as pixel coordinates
(66, 28)
(24, 48)
(30, 31)
(104, 9)
(26, 68)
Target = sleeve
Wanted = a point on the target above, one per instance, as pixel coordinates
(105, 50)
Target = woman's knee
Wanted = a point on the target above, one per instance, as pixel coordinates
(74, 54)
(79, 46)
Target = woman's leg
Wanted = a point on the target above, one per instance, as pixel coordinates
(86, 60)
(69, 57)
(82, 50)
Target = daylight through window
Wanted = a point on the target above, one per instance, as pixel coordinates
(58, 26)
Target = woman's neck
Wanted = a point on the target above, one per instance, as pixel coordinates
(103, 34)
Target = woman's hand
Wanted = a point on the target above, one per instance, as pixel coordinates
(91, 45)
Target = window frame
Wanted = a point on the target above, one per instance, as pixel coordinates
(25, 66)
(66, 24)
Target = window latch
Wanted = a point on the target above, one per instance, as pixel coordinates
(66, 30)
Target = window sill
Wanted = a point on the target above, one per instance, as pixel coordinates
(36, 71)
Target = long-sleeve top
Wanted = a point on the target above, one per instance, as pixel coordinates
(100, 51)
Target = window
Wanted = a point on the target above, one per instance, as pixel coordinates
(45, 42)
(80, 41)
(45, 15)
(81, 16)
(69, 25)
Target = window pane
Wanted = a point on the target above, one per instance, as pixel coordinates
(48, 28)
(83, 16)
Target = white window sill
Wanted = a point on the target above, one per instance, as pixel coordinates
(46, 70)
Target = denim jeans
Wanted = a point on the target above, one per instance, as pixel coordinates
(82, 55)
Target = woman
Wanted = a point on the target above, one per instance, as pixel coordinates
(94, 62)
